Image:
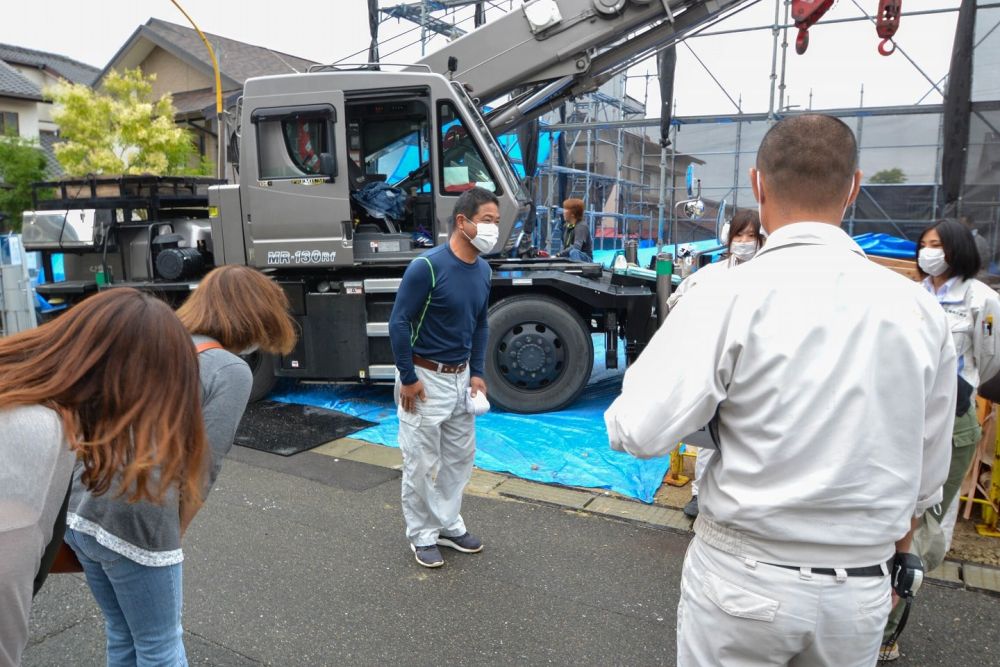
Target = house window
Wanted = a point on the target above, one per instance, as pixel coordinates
(8, 123)
(294, 142)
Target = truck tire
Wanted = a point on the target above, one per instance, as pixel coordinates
(262, 365)
(539, 356)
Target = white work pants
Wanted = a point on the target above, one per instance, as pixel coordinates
(701, 462)
(438, 443)
(734, 612)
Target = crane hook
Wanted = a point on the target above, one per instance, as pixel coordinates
(802, 41)
(887, 23)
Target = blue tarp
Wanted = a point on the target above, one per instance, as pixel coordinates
(401, 158)
(568, 447)
(512, 148)
(883, 245)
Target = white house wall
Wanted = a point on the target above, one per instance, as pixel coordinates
(27, 115)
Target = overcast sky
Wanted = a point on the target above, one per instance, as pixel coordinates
(841, 58)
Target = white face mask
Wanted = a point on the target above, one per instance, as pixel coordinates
(931, 261)
(744, 251)
(843, 215)
(486, 236)
(250, 350)
(760, 209)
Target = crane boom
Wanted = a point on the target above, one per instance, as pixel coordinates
(557, 49)
(549, 51)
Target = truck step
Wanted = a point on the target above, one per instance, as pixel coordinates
(382, 372)
(377, 329)
(382, 285)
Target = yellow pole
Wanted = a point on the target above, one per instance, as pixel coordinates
(676, 476)
(220, 138)
(989, 526)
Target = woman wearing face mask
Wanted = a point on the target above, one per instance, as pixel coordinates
(743, 241)
(578, 245)
(948, 260)
(131, 552)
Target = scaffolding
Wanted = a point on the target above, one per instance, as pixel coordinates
(612, 158)
(613, 181)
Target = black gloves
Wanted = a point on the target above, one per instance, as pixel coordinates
(907, 574)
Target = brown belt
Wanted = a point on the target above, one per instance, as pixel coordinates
(439, 368)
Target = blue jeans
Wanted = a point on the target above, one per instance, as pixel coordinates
(578, 256)
(141, 605)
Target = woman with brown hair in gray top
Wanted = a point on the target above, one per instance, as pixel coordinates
(131, 552)
(113, 385)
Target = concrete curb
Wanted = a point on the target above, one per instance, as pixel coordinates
(951, 574)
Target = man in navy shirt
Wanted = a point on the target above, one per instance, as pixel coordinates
(438, 332)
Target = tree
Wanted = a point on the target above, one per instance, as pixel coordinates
(21, 164)
(120, 129)
(888, 176)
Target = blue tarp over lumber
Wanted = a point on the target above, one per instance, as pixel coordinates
(883, 245)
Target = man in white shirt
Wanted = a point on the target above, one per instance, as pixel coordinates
(829, 385)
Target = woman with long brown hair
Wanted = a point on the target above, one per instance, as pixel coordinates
(113, 385)
(137, 546)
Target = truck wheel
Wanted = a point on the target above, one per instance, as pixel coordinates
(539, 355)
(262, 366)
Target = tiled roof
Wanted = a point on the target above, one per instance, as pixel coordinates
(47, 142)
(198, 101)
(12, 84)
(238, 61)
(67, 68)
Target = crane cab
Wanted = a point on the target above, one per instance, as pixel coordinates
(358, 167)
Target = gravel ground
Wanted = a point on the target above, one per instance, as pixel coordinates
(969, 545)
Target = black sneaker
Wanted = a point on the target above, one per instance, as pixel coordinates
(428, 556)
(691, 509)
(467, 543)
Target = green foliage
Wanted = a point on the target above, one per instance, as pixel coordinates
(888, 176)
(21, 164)
(120, 129)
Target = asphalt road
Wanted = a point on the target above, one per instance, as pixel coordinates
(302, 561)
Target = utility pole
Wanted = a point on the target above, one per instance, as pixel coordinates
(220, 113)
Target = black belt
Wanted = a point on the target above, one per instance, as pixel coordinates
(869, 571)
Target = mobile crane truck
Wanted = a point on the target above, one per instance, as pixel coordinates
(323, 207)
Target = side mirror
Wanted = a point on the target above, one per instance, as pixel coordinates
(233, 149)
(694, 208)
(327, 165)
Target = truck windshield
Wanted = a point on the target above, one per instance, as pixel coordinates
(508, 174)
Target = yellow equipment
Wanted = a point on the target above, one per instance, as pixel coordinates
(676, 476)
